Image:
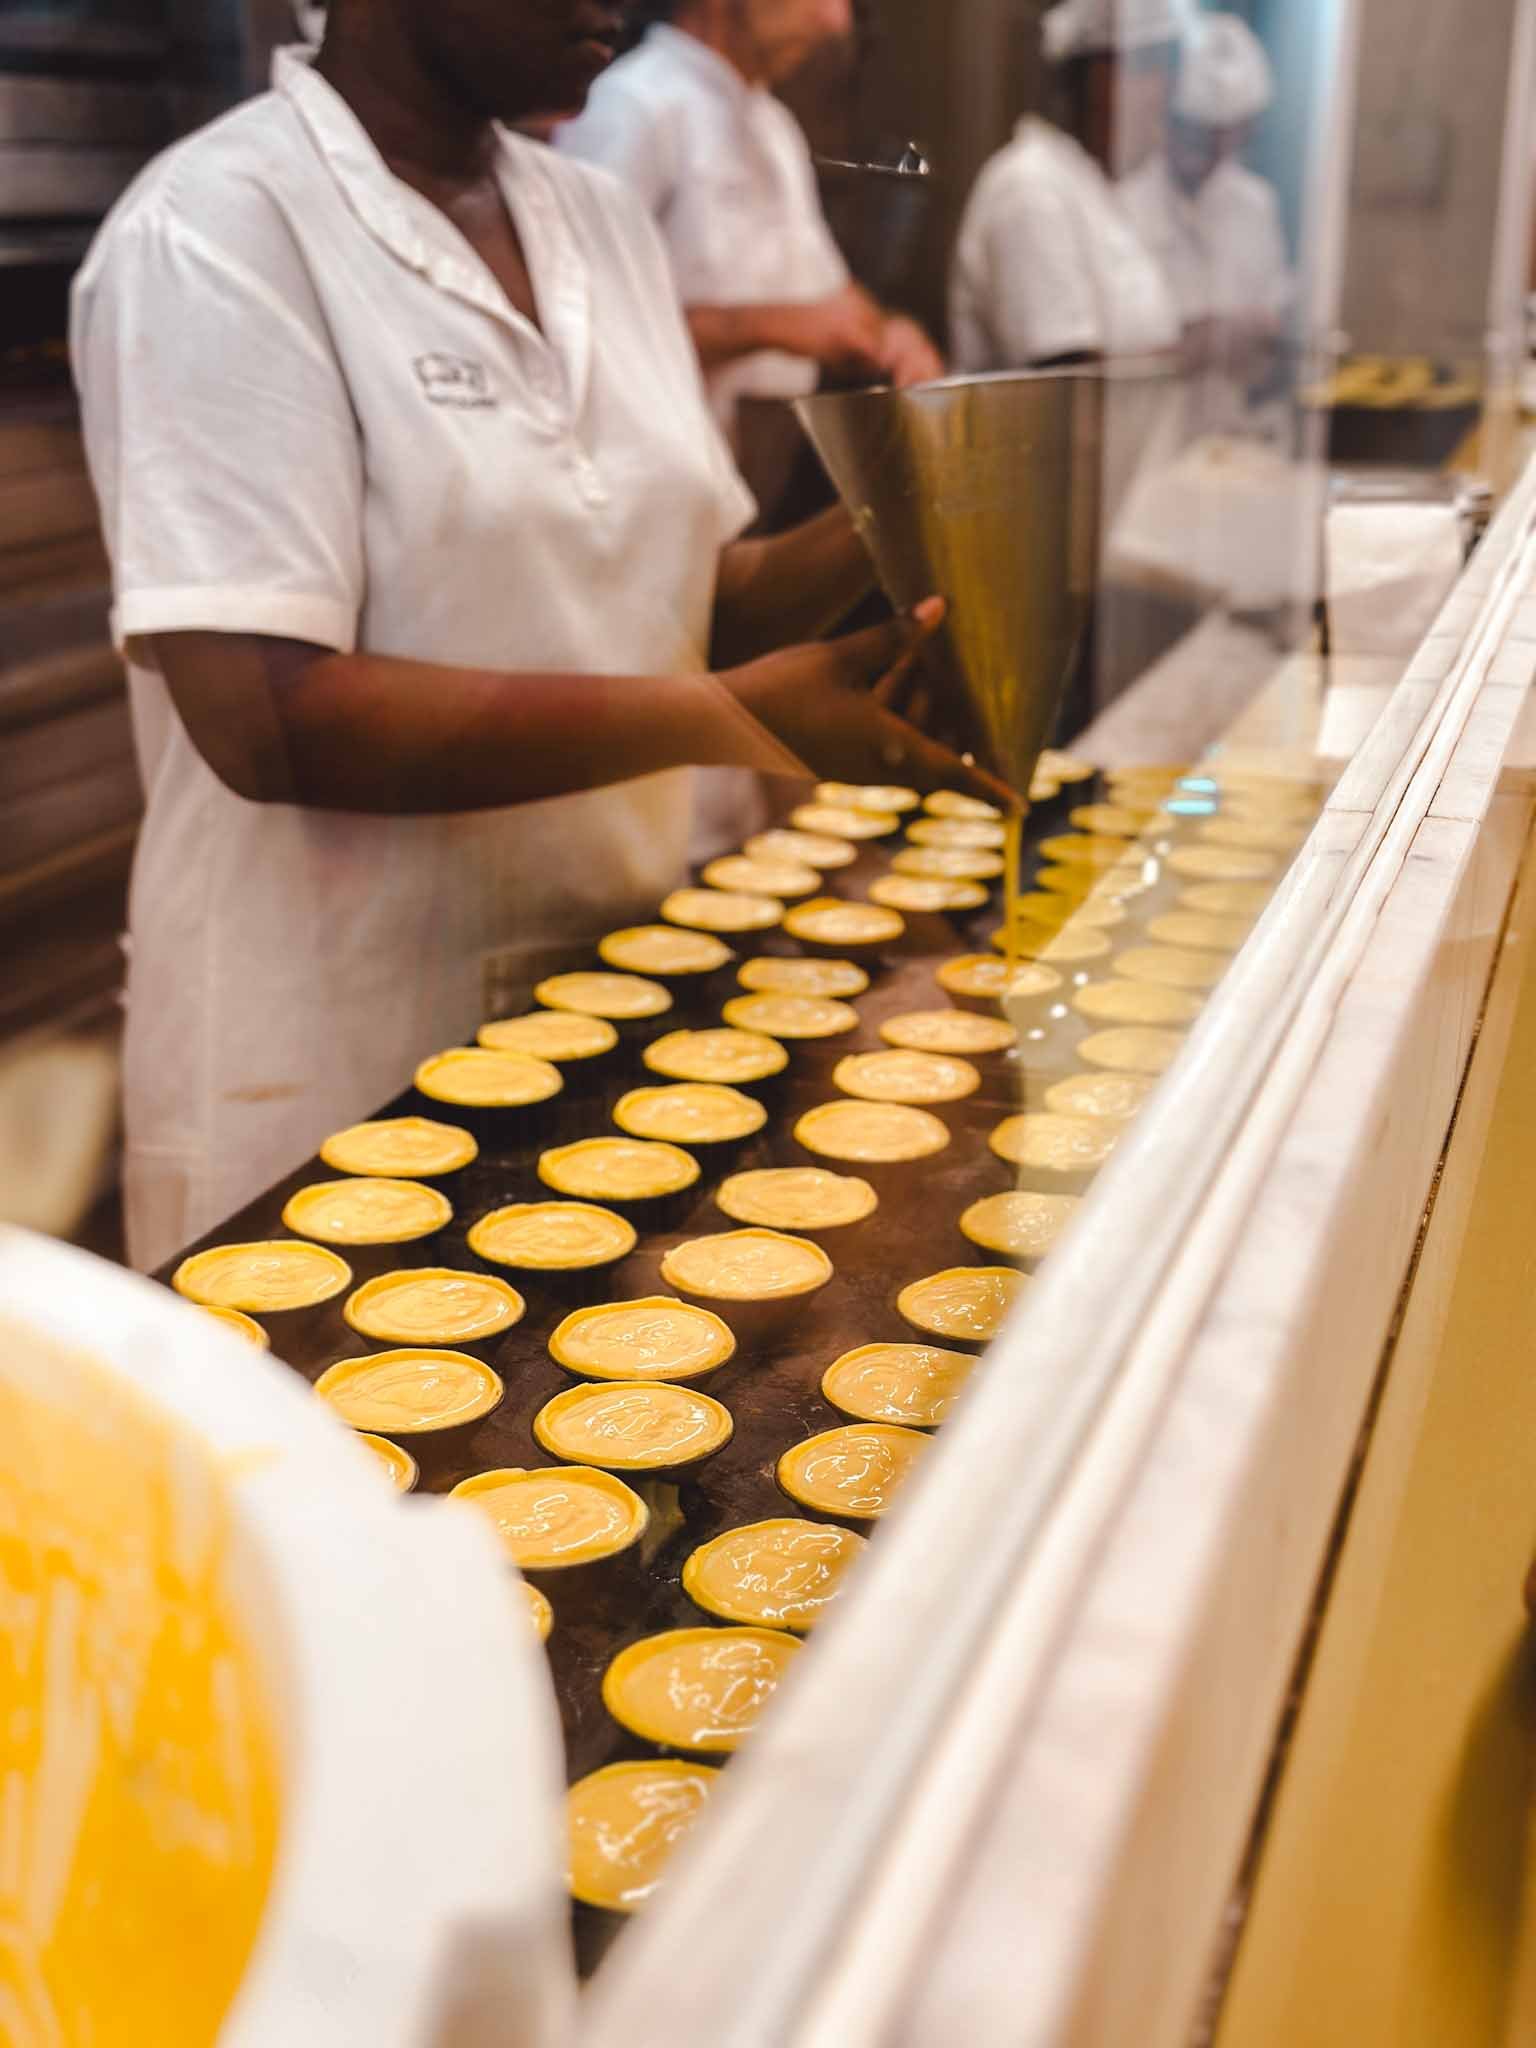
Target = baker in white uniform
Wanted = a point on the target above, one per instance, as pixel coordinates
(689, 121)
(1048, 266)
(1213, 224)
(416, 513)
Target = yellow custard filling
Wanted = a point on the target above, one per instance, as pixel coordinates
(829, 921)
(948, 863)
(623, 998)
(552, 1237)
(1098, 885)
(410, 1393)
(1107, 1094)
(797, 1198)
(633, 1426)
(871, 1133)
(949, 1031)
(556, 1516)
(1019, 1226)
(400, 1148)
(690, 1113)
(966, 1303)
(1222, 863)
(1046, 1143)
(655, 1338)
(1203, 930)
(700, 1689)
(1133, 1049)
(1111, 821)
(262, 1278)
(557, 1035)
(769, 976)
(982, 977)
(902, 1075)
(1227, 899)
(399, 1466)
(434, 1305)
(1087, 850)
(1045, 906)
(540, 1613)
(781, 1573)
(480, 1079)
(867, 796)
(778, 1015)
(747, 1265)
(914, 1384)
(1171, 966)
(623, 1823)
(1058, 945)
(663, 949)
(1136, 1002)
(720, 1054)
(838, 821)
(722, 910)
(854, 1471)
(926, 895)
(972, 835)
(753, 876)
(811, 849)
(363, 1211)
(954, 803)
(1062, 767)
(236, 1319)
(618, 1169)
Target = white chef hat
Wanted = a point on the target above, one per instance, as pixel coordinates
(1079, 28)
(1224, 76)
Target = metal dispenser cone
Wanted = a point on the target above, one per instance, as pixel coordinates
(985, 491)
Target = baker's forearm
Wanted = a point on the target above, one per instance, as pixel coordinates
(724, 334)
(282, 723)
(793, 586)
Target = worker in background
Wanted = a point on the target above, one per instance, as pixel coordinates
(1048, 266)
(689, 122)
(427, 565)
(1214, 225)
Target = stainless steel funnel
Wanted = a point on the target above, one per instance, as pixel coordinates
(984, 490)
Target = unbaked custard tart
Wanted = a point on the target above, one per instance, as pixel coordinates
(1018, 1225)
(690, 1113)
(400, 1148)
(721, 1054)
(1103, 1094)
(555, 1517)
(811, 849)
(871, 1133)
(1046, 1143)
(751, 876)
(973, 835)
(623, 1823)
(949, 1031)
(955, 803)
(797, 1198)
(1132, 1049)
(926, 895)
(699, 1689)
(905, 1076)
(398, 1466)
(780, 1015)
(913, 1384)
(366, 1211)
(838, 821)
(552, 1237)
(783, 1573)
(722, 910)
(747, 1265)
(663, 949)
(556, 1035)
(855, 1471)
(410, 1393)
(633, 1426)
(967, 1304)
(476, 1078)
(867, 796)
(242, 1325)
(262, 1278)
(655, 1338)
(829, 921)
(618, 1169)
(1136, 1002)
(768, 975)
(621, 998)
(949, 863)
(434, 1305)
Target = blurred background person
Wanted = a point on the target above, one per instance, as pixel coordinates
(1215, 226)
(690, 123)
(1048, 266)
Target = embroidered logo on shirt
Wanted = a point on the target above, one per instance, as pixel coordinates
(454, 380)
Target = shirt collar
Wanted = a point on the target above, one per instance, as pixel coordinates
(409, 227)
(706, 64)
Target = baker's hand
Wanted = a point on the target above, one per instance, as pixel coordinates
(910, 357)
(844, 333)
(827, 703)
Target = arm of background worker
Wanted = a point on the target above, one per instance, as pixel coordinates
(283, 721)
(844, 331)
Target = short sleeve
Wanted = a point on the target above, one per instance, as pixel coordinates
(1037, 276)
(221, 442)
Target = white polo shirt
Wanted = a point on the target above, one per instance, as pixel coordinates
(1047, 262)
(1223, 249)
(726, 173)
(310, 411)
